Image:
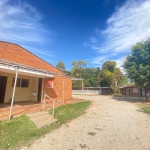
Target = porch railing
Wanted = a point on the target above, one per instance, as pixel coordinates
(53, 107)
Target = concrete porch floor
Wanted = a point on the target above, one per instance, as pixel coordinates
(27, 107)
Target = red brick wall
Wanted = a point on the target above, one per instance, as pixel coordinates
(56, 92)
(15, 53)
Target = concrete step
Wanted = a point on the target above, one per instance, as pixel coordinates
(37, 114)
(46, 123)
(41, 119)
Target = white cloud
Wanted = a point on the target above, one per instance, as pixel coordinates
(97, 31)
(20, 23)
(120, 63)
(128, 25)
(92, 40)
(99, 60)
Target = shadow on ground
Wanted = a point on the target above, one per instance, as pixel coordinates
(131, 99)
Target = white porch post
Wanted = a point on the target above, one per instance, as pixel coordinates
(63, 89)
(82, 89)
(82, 86)
(13, 95)
(42, 93)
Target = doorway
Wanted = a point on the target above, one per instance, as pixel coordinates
(129, 91)
(39, 89)
(3, 82)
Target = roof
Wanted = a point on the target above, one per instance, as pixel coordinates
(17, 54)
(129, 85)
(10, 67)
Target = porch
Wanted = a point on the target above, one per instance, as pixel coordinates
(26, 107)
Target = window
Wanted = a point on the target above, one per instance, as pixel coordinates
(21, 82)
(18, 82)
(49, 83)
(25, 83)
(135, 90)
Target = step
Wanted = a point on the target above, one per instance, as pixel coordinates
(46, 123)
(37, 114)
(41, 119)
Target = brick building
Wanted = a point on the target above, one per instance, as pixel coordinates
(132, 90)
(26, 77)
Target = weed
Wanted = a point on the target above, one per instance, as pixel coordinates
(82, 145)
(146, 109)
(91, 133)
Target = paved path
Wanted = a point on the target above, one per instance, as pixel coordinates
(109, 124)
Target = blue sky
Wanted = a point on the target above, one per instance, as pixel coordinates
(91, 30)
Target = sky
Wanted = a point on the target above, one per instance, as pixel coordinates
(93, 30)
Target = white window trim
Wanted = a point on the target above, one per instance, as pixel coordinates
(20, 83)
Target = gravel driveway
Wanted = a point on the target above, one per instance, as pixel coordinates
(109, 124)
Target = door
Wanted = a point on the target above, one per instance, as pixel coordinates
(3, 82)
(128, 91)
(39, 89)
(141, 92)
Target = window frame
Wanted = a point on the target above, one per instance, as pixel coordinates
(20, 82)
(24, 83)
(52, 83)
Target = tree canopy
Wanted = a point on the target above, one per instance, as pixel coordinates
(137, 64)
(110, 75)
(78, 67)
(61, 66)
(109, 65)
(90, 77)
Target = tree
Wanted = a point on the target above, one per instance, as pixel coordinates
(61, 66)
(90, 77)
(110, 75)
(78, 67)
(124, 81)
(137, 65)
(67, 72)
(118, 76)
(76, 71)
(109, 65)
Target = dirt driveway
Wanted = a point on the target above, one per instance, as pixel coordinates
(109, 124)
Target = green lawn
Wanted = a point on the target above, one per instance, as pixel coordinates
(21, 130)
(146, 109)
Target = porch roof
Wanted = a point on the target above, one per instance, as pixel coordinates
(11, 67)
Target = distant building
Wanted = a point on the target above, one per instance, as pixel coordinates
(132, 89)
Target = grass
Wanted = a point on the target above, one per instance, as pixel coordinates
(91, 133)
(146, 109)
(20, 131)
(82, 145)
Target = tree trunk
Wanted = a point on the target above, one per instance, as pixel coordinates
(146, 97)
(112, 87)
(116, 84)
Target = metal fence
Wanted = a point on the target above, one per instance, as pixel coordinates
(93, 90)
(86, 92)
